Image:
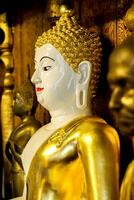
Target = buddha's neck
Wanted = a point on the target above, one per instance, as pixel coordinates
(59, 118)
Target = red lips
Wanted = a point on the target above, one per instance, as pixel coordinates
(39, 89)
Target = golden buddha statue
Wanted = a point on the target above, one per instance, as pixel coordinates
(121, 81)
(24, 106)
(76, 155)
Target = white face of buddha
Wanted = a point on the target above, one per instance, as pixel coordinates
(55, 81)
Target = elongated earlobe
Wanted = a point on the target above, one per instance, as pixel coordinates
(81, 98)
(82, 84)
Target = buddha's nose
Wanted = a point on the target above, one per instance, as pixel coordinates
(36, 77)
(115, 100)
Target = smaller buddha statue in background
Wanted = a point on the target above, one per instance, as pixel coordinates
(121, 81)
(24, 106)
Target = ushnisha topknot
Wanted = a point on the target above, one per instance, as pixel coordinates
(76, 44)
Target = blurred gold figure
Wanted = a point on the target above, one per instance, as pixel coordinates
(24, 106)
(121, 81)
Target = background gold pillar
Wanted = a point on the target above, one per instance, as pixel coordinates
(6, 100)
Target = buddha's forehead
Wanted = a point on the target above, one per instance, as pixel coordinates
(47, 50)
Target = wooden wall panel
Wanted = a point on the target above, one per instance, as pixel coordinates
(27, 27)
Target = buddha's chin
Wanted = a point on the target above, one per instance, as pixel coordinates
(40, 100)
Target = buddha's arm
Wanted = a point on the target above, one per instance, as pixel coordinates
(99, 152)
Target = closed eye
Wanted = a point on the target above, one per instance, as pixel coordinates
(46, 68)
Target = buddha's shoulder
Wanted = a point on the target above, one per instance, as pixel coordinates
(91, 123)
(96, 128)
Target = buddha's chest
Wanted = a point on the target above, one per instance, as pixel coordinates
(65, 177)
(59, 149)
(59, 167)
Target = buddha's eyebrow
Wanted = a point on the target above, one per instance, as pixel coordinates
(46, 57)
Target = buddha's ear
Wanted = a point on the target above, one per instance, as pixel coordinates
(82, 92)
(84, 69)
